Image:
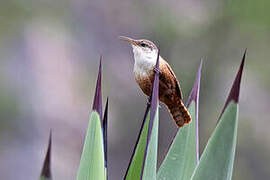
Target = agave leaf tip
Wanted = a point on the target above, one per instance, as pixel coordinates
(194, 94)
(235, 90)
(97, 104)
(46, 170)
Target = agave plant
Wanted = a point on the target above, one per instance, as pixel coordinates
(182, 161)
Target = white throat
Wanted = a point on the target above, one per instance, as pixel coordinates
(144, 60)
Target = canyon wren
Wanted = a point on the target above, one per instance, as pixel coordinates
(145, 55)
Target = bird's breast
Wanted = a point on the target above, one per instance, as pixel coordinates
(143, 68)
(143, 76)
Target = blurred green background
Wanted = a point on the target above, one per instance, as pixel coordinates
(49, 51)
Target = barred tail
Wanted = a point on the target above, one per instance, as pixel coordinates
(179, 113)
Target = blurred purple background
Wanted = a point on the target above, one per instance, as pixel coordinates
(50, 50)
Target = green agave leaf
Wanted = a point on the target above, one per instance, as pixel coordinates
(46, 170)
(92, 164)
(150, 166)
(137, 169)
(183, 153)
(218, 157)
(136, 162)
(150, 154)
(180, 161)
(143, 162)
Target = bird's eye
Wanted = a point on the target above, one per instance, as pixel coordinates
(143, 44)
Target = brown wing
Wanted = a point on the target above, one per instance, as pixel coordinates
(168, 77)
(171, 95)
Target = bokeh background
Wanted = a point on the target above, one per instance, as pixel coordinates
(49, 51)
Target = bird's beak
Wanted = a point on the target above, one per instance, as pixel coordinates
(129, 40)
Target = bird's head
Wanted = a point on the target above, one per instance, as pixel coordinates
(144, 50)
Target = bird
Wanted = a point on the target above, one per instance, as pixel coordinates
(145, 55)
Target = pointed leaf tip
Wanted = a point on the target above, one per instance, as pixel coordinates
(157, 62)
(155, 90)
(235, 90)
(97, 104)
(194, 94)
(105, 130)
(46, 170)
